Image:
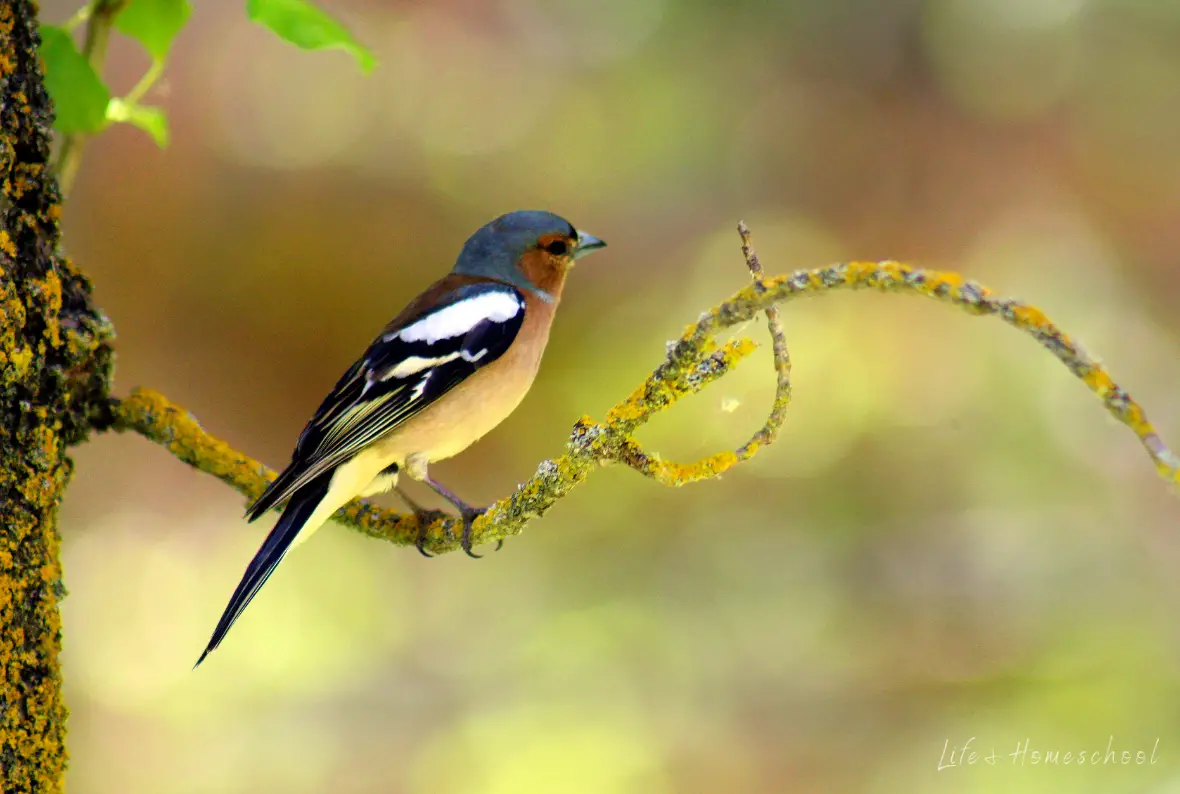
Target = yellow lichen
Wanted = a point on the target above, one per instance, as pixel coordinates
(19, 360)
(51, 294)
(33, 443)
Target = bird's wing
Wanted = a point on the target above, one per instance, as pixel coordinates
(451, 331)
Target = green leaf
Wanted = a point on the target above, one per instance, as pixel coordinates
(154, 23)
(79, 95)
(151, 120)
(307, 27)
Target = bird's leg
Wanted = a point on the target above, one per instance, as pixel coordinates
(410, 502)
(425, 516)
(416, 467)
(468, 513)
(386, 480)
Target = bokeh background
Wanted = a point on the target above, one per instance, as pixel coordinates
(950, 540)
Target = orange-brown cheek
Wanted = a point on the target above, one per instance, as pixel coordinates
(543, 269)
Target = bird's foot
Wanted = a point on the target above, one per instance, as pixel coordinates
(466, 512)
(426, 517)
(469, 514)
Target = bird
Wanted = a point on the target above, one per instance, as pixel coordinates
(450, 367)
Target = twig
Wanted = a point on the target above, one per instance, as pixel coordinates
(691, 363)
(99, 21)
(782, 358)
(675, 474)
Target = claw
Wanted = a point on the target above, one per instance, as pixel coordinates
(426, 517)
(420, 542)
(469, 516)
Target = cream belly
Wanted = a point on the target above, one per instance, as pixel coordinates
(465, 415)
(462, 417)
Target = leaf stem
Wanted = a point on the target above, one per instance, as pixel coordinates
(101, 17)
(80, 16)
(145, 83)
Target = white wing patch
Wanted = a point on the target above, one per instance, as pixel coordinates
(413, 364)
(459, 318)
(416, 394)
(416, 364)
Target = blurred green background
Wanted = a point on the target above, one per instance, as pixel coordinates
(951, 539)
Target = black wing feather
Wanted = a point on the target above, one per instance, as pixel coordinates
(368, 402)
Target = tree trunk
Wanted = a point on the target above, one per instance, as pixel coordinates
(55, 358)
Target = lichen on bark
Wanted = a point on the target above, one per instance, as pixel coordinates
(55, 357)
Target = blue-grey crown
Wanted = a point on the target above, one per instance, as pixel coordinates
(493, 251)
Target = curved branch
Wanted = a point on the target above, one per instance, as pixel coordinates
(782, 358)
(674, 474)
(691, 363)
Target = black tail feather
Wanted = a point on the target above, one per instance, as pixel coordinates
(271, 496)
(269, 555)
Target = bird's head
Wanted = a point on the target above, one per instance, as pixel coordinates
(530, 249)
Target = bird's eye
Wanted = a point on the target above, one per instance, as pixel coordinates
(558, 247)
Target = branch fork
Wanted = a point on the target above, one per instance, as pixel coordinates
(691, 363)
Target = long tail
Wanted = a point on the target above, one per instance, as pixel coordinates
(295, 516)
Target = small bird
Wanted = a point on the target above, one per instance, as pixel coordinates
(445, 371)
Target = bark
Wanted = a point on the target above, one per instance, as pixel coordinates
(55, 357)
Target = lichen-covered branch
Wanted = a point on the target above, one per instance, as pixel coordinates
(782, 358)
(674, 474)
(54, 378)
(691, 363)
